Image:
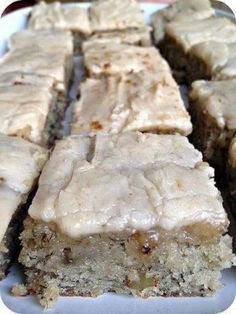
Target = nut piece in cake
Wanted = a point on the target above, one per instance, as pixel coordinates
(20, 166)
(182, 10)
(214, 120)
(144, 101)
(143, 206)
(116, 15)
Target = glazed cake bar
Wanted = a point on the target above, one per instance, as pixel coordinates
(37, 56)
(45, 53)
(212, 105)
(137, 37)
(182, 10)
(28, 107)
(216, 59)
(20, 165)
(182, 37)
(144, 101)
(131, 213)
(109, 15)
(57, 16)
(105, 59)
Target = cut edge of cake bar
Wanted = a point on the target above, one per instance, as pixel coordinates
(213, 115)
(21, 164)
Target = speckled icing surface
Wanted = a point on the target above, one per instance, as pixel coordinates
(127, 182)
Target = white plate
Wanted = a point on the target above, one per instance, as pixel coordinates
(109, 303)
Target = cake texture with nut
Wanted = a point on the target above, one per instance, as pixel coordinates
(132, 213)
(182, 10)
(145, 101)
(20, 166)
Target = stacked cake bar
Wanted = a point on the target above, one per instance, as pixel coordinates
(131, 213)
(20, 166)
(34, 81)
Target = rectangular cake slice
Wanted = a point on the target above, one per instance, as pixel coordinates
(145, 101)
(181, 10)
(212, 105)
(57, 16)
(131, 213)
(115, 15)
(104, 59)
(181, 37)
(20, 165)
(27, 110)
(45, 53)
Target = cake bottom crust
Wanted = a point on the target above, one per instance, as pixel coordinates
(126, 264)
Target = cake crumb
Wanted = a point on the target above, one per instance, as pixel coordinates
(49, 297)
(19, 290)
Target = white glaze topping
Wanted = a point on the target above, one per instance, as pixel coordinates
(217, 99)
(20, 165)
(112, 59)
(140, 37)
(127, 182)
(213, 29)
(182, 10)
(55, 16)
(31, 60)
(143, 101)
(116, 14)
